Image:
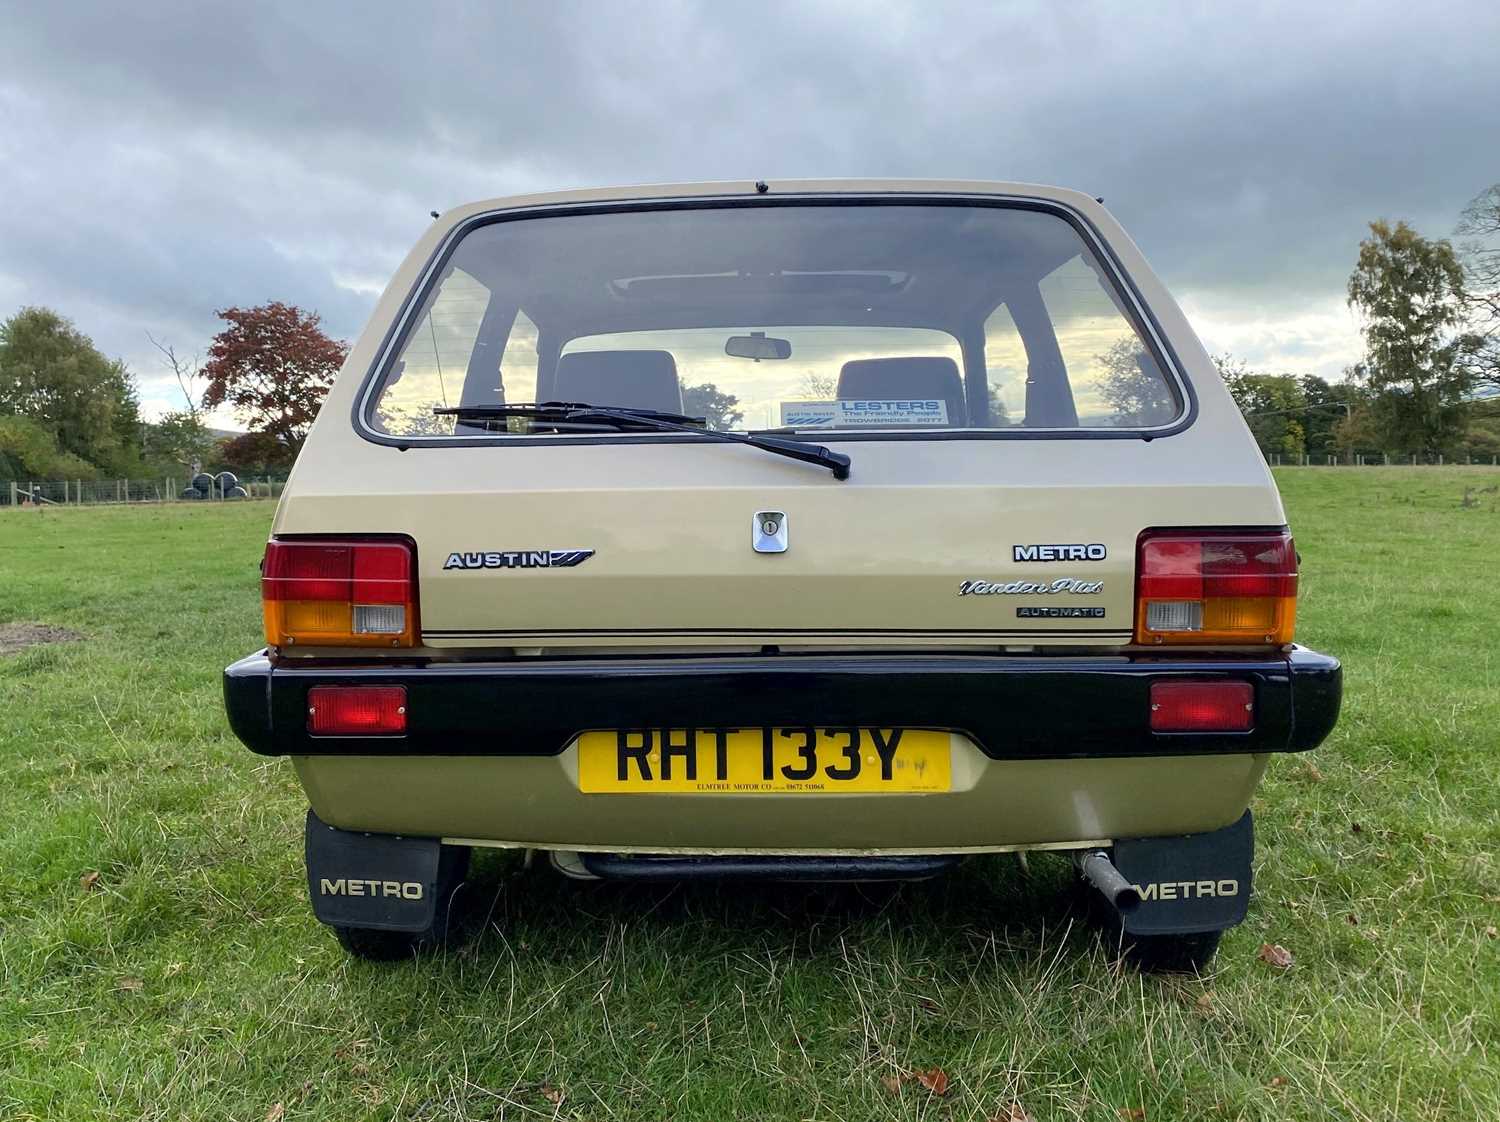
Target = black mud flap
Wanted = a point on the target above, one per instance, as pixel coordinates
(377, 881)
(1197, 882)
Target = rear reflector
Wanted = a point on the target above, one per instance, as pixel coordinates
(1202, 706)
(1212, 586)
(356, 710)
(340, 592)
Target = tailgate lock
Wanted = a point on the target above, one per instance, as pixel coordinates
(768, 531)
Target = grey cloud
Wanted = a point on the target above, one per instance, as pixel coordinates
(158, 162)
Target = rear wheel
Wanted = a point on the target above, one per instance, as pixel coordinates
(379, 946)
(446, 929)
(1172, 954)
(1188, 952)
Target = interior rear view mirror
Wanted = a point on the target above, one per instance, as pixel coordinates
(757, 346)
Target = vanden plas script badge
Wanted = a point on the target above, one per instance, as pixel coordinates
(1031, 587)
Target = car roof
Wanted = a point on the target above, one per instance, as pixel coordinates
(742, 187)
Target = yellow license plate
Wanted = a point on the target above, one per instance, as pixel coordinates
(751, 761)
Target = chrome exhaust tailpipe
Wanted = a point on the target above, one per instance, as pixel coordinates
(1095, 867)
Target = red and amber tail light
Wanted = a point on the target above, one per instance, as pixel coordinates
(340, 592)
(1210, 586)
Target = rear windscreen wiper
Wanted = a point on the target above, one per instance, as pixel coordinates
(555, 411)
(575, 412)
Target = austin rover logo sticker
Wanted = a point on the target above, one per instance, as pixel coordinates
(519, 559)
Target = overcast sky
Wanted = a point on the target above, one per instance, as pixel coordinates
(159, 161)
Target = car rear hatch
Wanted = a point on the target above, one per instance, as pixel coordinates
(1015, 415)
(946, 543)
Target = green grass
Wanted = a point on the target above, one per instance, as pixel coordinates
(190, 981)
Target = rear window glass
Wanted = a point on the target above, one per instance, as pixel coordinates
(824, 319)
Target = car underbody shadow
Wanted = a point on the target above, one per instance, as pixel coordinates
(537, 915)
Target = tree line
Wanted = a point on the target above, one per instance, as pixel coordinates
(68, 412)
(1429, 382)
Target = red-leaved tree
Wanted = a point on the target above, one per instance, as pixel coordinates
(272, 365)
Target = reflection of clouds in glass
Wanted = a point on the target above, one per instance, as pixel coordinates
(1084, 343)
(1005, 364)
(519, 362)
(1099, 347)
(436, 358)
(1084, 336)
(817, 352)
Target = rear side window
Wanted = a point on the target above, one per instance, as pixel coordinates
(826, 319)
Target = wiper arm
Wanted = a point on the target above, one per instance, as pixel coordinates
(655, 420)
(836, 462)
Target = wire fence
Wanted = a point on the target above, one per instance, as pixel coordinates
(205, 488)
(1375, 459)
(98, 492)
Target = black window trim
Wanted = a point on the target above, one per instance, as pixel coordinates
(1146, 323)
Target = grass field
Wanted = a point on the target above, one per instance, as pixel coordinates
(158, 958)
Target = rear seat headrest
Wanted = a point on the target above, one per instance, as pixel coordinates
(633, 379)
(890, 379)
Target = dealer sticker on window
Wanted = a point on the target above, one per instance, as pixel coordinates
(857, 414)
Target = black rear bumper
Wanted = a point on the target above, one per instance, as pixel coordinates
(1012, 707)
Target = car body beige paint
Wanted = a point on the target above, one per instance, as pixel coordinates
(534, 802)
(875, 562)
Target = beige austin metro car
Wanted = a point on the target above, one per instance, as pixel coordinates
(803, 530)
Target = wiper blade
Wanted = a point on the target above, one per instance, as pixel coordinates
(655, 420)
(836, 462)
(555, 410)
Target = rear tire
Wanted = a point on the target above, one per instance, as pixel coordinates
(380, 946)
(1188, 953)
(446, 929)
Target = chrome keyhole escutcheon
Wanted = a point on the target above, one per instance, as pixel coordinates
(768, 531)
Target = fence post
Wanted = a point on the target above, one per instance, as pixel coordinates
(13, 492)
